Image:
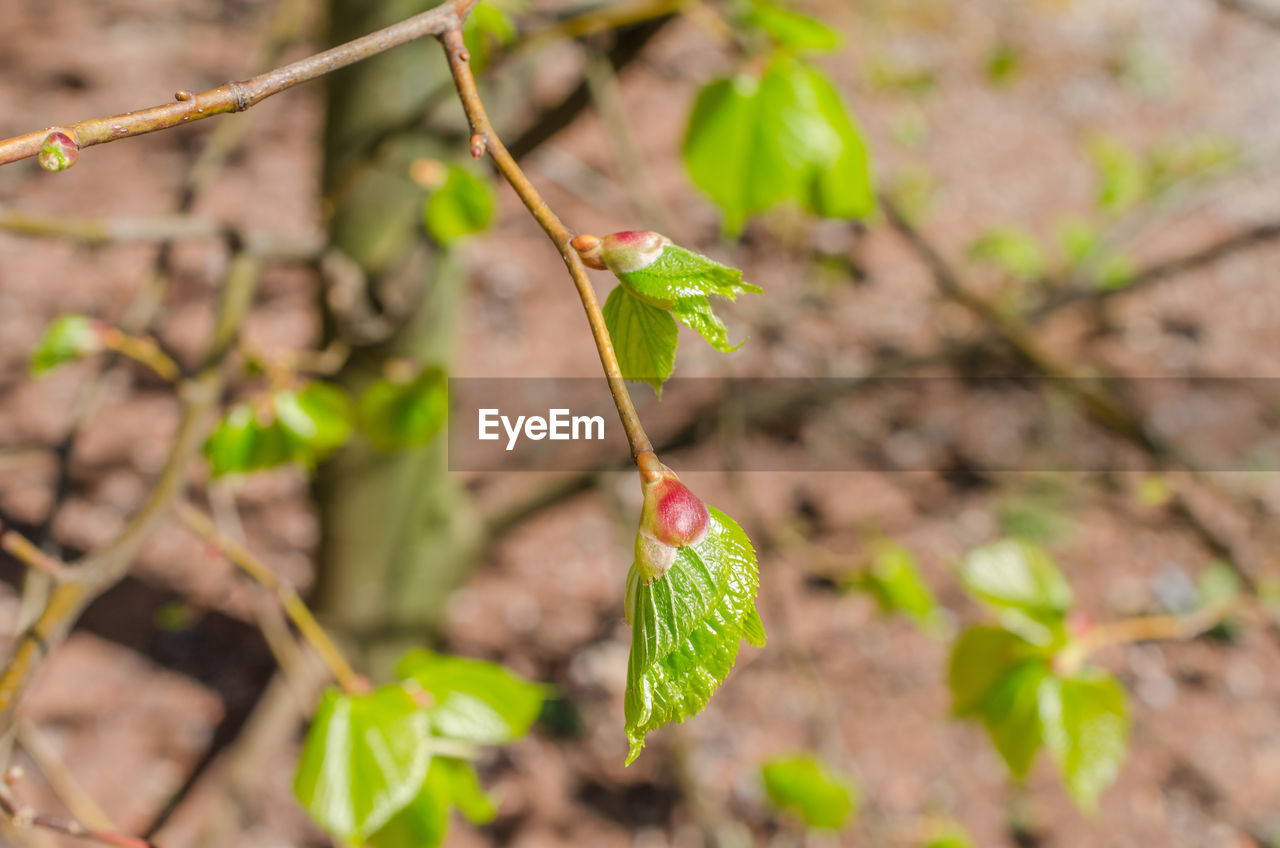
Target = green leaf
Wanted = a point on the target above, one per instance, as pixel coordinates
(803, 785)
(1011, 714)
(462, 206)
(644, 337)
(399, 414)
(753, 143)
(488, 27)
(793, 30)
(1011, 249)
(364, 759)
(1123, 179)
(472, 700)
(66, 339)
(895, 582)
(680, 281)
(1086, 729)
(686, 626)
(303, 426)
(318, 419)
(1020, 581)
(424, 822)
(947, 834)
(980, 659)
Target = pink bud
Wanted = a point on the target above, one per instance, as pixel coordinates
(58, 152)
(672, 517)
(632, 250)
(479, 144)
(588, 248)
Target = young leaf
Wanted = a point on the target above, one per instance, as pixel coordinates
(66, 339)
(364, 759)
(1011, 714)
(301, 426)
(1011, 249)
(472, 700)
(1086, 729)
(980, 659)
(793, 30)
(461, 207)
(804, 785)
(397, 414)
(686, 626)
(424, 822)
(895, 582)
(487, 28)
(644, 338)
(680, 280)
(1020, 581)
(752, 144)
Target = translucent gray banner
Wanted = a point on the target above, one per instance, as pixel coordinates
(995, 424)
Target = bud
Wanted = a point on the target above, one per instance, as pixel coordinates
(622, 253)
(58, 152)
(672, 517)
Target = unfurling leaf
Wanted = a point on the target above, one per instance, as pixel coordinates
(461, 207)
(397, 414)
(805, 786)
(689, 608)
(66, 339)
(644, 337)
(754, 143)
(659, 280)
(364, 759)
(473, 700)
(302, 426)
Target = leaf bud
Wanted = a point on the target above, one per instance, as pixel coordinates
(58, 152)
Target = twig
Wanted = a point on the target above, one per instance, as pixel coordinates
(24, 551)
(315, 635)
(239, 96)
(99, 571)
(485, 139)
(22, 816)
(60, 779)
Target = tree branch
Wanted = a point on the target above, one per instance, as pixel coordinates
(485, 139)
(239, 96)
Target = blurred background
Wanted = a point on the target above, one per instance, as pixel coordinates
(1069, 188)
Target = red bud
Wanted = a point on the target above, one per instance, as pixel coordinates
(632, 250)
(58, 152)
(672, 517)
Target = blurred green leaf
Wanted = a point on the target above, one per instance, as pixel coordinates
(462, 206)
(488, 27)
(1011, 249)
(1123, 180)
(66, 339)
(803, 785)
(980, 659)
(1019, 580)
(793, 30)
(1086, 729)
(1011, 714)
(396, 414)
(424, 822)
(947, 834)
(1003, 63)
(753, 143)
(364, 759)
(302, 426)
(473, 700)
(644, 338)
(894, 580)
(686, 628)
(885, 72)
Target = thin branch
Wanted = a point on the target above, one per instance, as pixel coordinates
(239, 96)
(24, 551)
(22, 816)
(244, 559)
(485, 139)
(160, 229)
